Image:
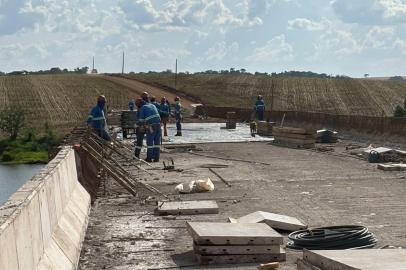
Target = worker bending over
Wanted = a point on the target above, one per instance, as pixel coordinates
(260, 108)
(97, 119)
(178, 116)
(139, 131)
(164, 112)
(150, 119)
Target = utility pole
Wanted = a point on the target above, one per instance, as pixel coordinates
(93, 64)
(122, 68)
(176, 73)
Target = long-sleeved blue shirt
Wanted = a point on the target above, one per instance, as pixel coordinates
(260, 105)
(96, 118)
(148, 113)
(178, 108)
(164, 110)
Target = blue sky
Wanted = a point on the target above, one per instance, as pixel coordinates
(350, 37)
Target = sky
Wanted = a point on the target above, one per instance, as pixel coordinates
(340, 37)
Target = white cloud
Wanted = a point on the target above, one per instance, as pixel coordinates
(380, 37)
(275, 50)
(338, 42)
(303, 23)
(220, 50)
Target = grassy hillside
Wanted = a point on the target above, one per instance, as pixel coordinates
(61, 100)
(337, 96)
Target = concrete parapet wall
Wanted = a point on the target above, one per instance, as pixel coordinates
(43, 224)
(365, 124)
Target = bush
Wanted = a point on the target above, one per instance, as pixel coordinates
(12, 120)
(399, 112)
(7, 156)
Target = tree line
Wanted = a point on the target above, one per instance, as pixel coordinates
(54, 70)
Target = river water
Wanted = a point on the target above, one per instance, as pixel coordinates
(12, 177)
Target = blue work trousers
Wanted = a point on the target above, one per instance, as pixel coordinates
(178, 118)
(154, 142)
(138, 143)
(260, 115)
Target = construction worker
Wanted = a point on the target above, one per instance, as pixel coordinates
(259, 108)
(149, 117)
(145, 97)
(178, 116)
(164, 112)
(97, 119)
(155, 103)
(139, 131)
(131, 105)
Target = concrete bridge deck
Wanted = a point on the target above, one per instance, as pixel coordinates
(321, 189)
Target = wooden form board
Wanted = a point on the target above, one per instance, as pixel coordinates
(275, 221)
(392, 167)
(293, 130)
(303, 265)
(295, 136)
(187, 208)
(211, 233)
(362, 259)
(236, 259)
(235, 250)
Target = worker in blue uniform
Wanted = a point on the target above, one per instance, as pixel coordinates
(97, 119)
(178, 116)
(131, 105)
(139, 131)
(260, 108)
(155, 103)
(164, 112)
(149, 117)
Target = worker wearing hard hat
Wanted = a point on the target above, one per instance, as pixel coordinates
(97, 119)
(139, 131)
(150, 119)
(178, 116)
(154, 102)
(259, 108)
(145, 97)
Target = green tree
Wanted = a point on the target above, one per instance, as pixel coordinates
(399, 112)
(11, 121)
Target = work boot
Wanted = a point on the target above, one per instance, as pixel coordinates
(179, 133)
(156, 160)
(148, 160)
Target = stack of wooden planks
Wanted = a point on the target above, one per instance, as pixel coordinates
(233, 243)
(264, 128)
(128, 122)
(231, 122)
(361, 259)
(294, 137)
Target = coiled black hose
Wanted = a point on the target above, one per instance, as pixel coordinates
(335, 237)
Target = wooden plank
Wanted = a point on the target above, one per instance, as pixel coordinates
(187, 208)
(294, 135)
(293, 130)
(211, 233)
(235, 250)
(236, 259)
(363, 259)
(303, 265)
(392, 167)
(294, 141)
(275, 221)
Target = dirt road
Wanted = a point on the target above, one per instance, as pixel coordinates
(138, 88)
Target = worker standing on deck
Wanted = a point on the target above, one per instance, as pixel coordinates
(178, 116)
(145, 97)
(164, 112)
(131, 105)
(155, 103)
(97, 119)
(140, 130)
(260, 108)
(150, 119)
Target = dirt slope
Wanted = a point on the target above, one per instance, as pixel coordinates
(137, 88)
(336, 96)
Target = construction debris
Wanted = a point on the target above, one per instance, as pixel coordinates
(268, 266)
(196, 186)
(187, 208)
(294, 137)
(327, 136)
(231, 122)
(275, 221)
(230, 243)
(361, 259)
(128, 122)
(392, 167)
(265, 128)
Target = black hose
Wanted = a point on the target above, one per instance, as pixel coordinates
(335, 237)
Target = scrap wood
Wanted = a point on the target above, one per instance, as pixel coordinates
(268, 266)
(219, 176)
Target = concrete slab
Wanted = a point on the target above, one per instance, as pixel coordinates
(275, 221)
(303, 265)
(8, 253)
(392, 167)
(237, 259)
(187, 208)
(36, 228)
(233, 250)
(210, 233)
(366, 259)
(56, 259)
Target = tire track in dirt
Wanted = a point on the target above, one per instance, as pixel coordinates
(137, 88)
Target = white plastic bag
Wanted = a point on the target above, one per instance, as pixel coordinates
(196, 186)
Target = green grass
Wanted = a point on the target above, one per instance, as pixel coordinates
(324, 95)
